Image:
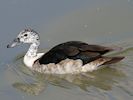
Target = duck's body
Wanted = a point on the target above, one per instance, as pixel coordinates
(74, 50)
(69, 57)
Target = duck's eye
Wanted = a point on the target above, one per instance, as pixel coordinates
(25, 34)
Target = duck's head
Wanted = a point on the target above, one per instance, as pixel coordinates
(25, 36)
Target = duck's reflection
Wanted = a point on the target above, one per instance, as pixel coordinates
(102, 79)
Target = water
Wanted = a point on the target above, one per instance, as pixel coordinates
(105, 22)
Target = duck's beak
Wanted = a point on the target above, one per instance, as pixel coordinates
(14, 43)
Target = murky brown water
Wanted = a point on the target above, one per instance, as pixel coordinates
(99, 22)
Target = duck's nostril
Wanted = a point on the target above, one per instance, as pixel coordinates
(17, 40)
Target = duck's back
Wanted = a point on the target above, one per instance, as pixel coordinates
(74, 50)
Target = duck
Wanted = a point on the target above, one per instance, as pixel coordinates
(70, 57)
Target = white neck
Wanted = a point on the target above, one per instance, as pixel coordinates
(32, 52)
(31, 56)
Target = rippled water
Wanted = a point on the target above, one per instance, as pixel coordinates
(107, 23)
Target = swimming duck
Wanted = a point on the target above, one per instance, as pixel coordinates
(69, 57)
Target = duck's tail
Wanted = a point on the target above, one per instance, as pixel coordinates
(111, 60)
(96, 64)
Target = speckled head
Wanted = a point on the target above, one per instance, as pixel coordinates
(25, 36)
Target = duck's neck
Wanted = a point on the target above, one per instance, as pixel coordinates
(32, 55)
(32, 52)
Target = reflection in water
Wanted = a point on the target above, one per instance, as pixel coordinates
(34, 88)
(35, 83)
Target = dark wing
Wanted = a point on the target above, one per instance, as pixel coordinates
(74, 50)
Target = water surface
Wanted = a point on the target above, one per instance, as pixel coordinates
(102, 22)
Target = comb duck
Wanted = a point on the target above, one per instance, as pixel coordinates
(71, 57)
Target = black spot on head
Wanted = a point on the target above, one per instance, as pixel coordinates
(25, 35)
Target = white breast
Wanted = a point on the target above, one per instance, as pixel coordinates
(29, 61)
